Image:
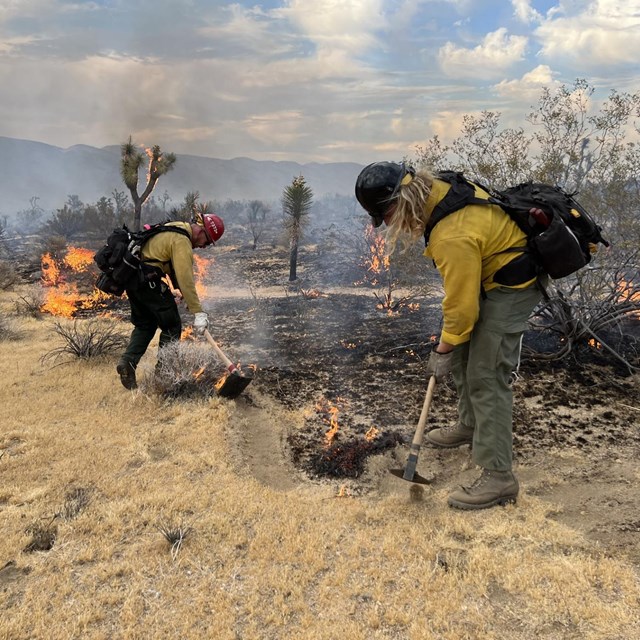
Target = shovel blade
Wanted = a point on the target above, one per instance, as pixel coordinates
(409, 476)
(232, 385)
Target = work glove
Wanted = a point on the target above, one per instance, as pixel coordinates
(200, 323)
(439, 364)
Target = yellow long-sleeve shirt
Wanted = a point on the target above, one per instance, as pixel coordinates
(468, 248)
(173, 253)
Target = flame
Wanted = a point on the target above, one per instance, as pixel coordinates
(311, 294)
(61, 301)
(330, 417)
(218, 385)
(200, 268)
(78, 259)
(594, 343)
(343, 492)
(62, 298)
(372, 434)
(50, 270)
(629, 292)
(199, 372)
(187, 333)
(348, 345)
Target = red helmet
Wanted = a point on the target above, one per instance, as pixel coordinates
(213, 227)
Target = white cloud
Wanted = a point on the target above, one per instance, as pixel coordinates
(525, 12)
(497, 52)
(348, 26)
(607, 32)
(527, 89)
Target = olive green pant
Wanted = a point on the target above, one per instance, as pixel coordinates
(482, 369)
(153, 307)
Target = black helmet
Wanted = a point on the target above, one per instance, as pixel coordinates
(377, 186)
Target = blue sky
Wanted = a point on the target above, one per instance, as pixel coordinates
(300, 80)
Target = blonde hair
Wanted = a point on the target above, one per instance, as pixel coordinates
(409, 218)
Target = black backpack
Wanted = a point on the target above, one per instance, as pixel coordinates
(120, 259)
(561, 237)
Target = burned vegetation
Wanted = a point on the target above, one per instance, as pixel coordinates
(347, 343)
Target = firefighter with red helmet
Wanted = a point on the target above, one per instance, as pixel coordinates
(153, 304)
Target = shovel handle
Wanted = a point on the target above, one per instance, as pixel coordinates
(412, 460)
(232, 367)
(417, 438)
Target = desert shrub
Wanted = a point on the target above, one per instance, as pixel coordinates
(185, 369)
(9, 329)
(55, 246)
(86, 340)
(8, 275)
(31, 303)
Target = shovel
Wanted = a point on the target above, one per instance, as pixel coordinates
(234, 382)
(409, 472)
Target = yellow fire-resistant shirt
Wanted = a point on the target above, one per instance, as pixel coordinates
(467, 247)
(173, 253)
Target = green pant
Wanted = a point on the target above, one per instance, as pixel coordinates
(481, 371)
(152, 306)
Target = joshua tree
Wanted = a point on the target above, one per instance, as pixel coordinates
(297, 199)
(132, 160)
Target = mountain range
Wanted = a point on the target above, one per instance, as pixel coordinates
(53, 173)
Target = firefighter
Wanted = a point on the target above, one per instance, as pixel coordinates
(154, 305)
(483, 320)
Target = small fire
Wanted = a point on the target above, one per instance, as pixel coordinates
(629, 294)
(330, 417)
(372, 434)
(218, 385)
(187, 333)
(343, 492)
(200, 268)
(595, 344)
(311, 294)
(348, 345)
(199, 372)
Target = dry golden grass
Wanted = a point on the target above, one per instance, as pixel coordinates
(107, 470)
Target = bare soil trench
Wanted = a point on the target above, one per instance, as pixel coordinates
(354, 375)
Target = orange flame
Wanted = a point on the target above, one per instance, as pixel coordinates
(78, 259)
(50, 271)
(199, 372)
(330, 417)
(187, 333)
(372, 434)
(201, 266)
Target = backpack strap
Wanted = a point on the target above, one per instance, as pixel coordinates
(461, 194)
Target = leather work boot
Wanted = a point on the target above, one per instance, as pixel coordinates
(127, 373)
(452, 436)
(490, 489)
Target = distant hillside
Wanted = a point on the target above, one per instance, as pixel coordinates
(52, 173)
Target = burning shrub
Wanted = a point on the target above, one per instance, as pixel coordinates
(184, 370)
(87, 339)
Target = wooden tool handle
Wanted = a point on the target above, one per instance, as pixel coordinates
(232, 367)
(417, 438)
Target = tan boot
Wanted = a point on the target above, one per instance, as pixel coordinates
(490, 489)
(453, 436)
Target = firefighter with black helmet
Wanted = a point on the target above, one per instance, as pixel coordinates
(483, 320)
